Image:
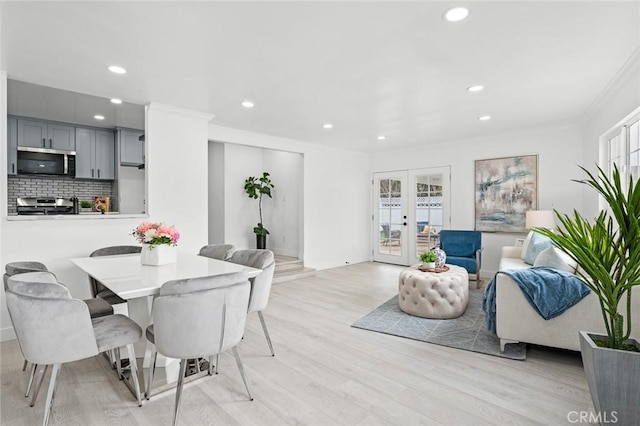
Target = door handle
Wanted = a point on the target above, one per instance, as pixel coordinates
(404, 223)
(13, 168)
(44, 142)
(50, 143)
(98, 172)
(91, 172)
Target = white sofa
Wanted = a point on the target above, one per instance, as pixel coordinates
(517, 321)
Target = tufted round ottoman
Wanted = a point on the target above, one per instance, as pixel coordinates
(434, 295)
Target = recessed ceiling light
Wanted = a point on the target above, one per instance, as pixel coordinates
(381, 137)
(99, 117)
(247, 104)
(327, 126)
(116, 101)
(475, 88)
(456, 14)
(116, 69)
(484, 118)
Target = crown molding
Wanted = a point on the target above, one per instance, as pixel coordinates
(630, 69)
(187, 113)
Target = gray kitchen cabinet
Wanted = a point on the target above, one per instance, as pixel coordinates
(95, 154)
(43, 134)
(12, 145)
(131, 147)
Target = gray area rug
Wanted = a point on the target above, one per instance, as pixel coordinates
(467, 332)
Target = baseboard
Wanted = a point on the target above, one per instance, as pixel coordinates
(6, 334)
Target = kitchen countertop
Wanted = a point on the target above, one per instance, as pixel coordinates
(81, 216)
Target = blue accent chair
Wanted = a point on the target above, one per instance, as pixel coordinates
(463, 248)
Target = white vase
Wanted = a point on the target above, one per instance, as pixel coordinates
(156, 255)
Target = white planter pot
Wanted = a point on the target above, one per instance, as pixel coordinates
(612, 376)
(163, 254)
(429, 265)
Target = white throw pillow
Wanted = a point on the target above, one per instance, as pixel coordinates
(551, 257)
(525, 245)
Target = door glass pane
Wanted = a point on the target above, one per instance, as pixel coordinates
(390, 217)
(429, 211)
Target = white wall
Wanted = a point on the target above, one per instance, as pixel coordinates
(216, 193)
(336, 186)
(177, 170)
(284, 210)
(558, 149)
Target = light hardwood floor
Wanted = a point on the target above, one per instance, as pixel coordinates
(324, 373)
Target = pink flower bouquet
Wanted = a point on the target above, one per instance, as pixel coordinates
(156, 234)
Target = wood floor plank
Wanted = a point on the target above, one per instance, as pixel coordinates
(324, 373)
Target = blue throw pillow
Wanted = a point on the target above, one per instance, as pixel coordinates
(536, 245)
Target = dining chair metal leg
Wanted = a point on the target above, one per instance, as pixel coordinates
(266, 332)
(183, 369)
(118, 363)
(210, 372)
(32, 375)
(24, 365)
(236, 355)
(152, 369)
(133, 369)
(49, 401)
(38, 386)
(112, 358)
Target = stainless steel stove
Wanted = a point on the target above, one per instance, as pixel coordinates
(47, 206)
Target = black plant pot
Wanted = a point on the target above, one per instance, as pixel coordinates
(261, 241)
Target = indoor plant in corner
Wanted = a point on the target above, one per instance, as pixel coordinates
(158, 243)
(608, 254)
(255, 188)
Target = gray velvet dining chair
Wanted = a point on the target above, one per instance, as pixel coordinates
(97, 307)
(216, 305)
(97, 289)
(217, 251)
(69, 335)
(261, 284)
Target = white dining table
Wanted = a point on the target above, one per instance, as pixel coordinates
(137, 284)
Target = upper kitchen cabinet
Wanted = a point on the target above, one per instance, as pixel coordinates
(95, 154)
(43, 134)
(131, 147)
(12, 145)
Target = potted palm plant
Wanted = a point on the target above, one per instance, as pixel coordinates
(608, 254)
(256, 188)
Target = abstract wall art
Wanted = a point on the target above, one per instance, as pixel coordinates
(505, 188)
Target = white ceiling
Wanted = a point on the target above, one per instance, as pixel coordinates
(370, 68)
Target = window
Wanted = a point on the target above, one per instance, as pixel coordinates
(622, 148)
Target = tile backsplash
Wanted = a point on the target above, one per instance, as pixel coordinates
(63, 187)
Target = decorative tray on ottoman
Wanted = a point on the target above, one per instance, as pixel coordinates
(445, 268)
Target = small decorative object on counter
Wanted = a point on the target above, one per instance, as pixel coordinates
(442, 257)
(102, 204)
(159, 242)
(85, 206)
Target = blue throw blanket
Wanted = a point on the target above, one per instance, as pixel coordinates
(549, 291)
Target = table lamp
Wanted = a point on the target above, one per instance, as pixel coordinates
(540, 219)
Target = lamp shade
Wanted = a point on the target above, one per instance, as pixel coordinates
(540, 219)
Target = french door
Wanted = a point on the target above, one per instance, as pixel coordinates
(410, 208)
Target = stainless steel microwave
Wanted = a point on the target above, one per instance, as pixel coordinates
(42, 161)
